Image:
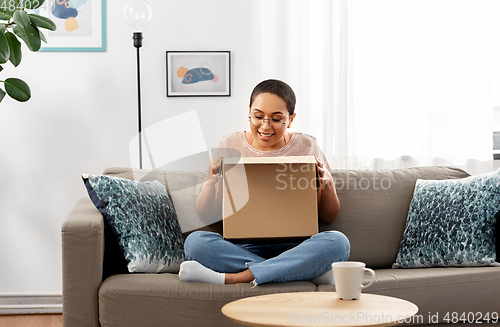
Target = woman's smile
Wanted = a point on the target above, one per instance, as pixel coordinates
(266, 136)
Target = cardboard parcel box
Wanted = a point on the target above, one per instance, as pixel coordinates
(268, 198)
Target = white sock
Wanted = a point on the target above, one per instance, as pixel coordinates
(325, 279)
(193, 271)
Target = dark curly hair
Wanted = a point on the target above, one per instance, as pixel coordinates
(278, 88)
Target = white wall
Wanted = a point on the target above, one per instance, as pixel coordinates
(83, 114)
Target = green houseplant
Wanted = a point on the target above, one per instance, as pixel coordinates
(17, 24)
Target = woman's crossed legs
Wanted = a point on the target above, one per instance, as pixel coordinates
(215, 260)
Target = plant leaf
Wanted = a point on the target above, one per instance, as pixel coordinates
(7, 9)
(4, 6)
(30, 36)
(2, 94)
(33, 4)
(42, 37)
(42, 22)
(17, 89)
(15, 49)
(4, 16)
(4, 49)
(21, 18)
(1, 68)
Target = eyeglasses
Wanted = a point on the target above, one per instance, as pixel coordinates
(276, 123)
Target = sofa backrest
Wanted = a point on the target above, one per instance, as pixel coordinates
(373, 205)
(373, 208)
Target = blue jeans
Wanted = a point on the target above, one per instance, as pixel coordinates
(274, 263)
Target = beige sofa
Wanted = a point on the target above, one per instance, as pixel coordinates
(374, 206)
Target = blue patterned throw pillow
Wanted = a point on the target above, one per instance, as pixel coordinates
(451, 223)
(142, 220)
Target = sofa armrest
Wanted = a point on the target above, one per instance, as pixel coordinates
(82, 264)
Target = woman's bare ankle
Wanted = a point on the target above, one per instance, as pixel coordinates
(245, 276)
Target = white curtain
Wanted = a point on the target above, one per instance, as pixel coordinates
(388, 83)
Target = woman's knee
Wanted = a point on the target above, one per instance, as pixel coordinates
(339, 244)
(196, 243)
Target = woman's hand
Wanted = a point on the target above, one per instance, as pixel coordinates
(215, 168)
(328, 202)
(216, 173)
(209, 201)
(325, 178)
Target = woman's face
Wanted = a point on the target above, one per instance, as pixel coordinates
(269, 106)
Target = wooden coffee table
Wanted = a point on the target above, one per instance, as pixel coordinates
(319, 309)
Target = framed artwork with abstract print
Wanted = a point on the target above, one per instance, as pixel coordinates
(81, 25)
(198, 73)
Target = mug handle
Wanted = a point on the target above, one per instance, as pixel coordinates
(372, 273)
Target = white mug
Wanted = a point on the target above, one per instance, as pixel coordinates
(348, 277)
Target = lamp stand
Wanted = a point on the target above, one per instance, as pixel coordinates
(138, 44)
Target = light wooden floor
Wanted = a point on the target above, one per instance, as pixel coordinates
(31, 321)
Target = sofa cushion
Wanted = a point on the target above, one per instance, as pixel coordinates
(163, 300)
(436, 290)
(142, 219)
(374, 206)
(183, 188)
(451, 223)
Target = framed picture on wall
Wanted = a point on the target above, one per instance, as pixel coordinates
(198, 73)
(81, 25)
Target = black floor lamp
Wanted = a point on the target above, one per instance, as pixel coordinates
(138, 14)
